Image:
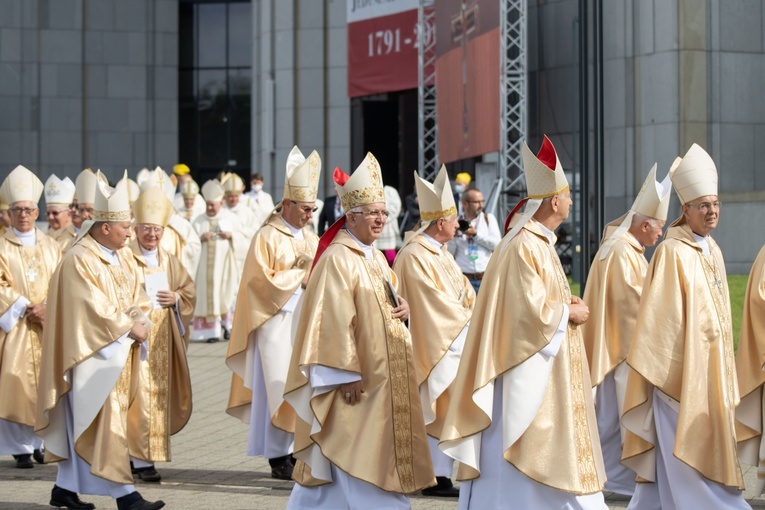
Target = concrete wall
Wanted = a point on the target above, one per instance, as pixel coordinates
(88, 83)
(676, 72)
(300, 87)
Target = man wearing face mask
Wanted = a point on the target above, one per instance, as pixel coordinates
(259, 201)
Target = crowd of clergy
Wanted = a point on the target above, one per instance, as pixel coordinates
(366, 378)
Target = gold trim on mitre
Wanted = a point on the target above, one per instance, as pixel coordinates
(153, 207)
(365, 186)
(436, 200)
(189, 189)
(156, 178)
(112, 204)
(59, 191)
(543, 172)
(301, 184)
(212, 191)
(21, 185)
(232, 184)
(85, 185)
(695, 176)
(652, 200)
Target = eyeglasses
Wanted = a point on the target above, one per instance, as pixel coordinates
(373, 214)
(82, 210)
(705, 207)
(146, 229)
(22, 210)
(306, 209)
(54, 213)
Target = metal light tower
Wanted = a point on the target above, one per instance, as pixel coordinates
(427, 128)
(512, 99)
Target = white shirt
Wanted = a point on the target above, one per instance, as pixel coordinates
(486, 239)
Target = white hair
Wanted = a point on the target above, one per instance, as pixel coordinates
(638, 220)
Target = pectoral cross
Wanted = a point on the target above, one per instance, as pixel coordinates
(32, 274)
(464, 24)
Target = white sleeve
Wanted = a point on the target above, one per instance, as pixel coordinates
(492, 237)
(106, 352)
(322, 376)
(552, 348)
(13, 314)
(293, 301)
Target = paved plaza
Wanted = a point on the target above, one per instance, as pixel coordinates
(210, 469)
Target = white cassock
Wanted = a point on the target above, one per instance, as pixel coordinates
(15, 438)
(609, 406)
(247, 227)
(91, 381)
(440, 378)
(345, 491)
(192, 246)
(262, 205)
(501, 486)
(197, 209)
(216, 277)
(690, 490)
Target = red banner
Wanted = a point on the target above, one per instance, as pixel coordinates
(467, 78)
(382, 46)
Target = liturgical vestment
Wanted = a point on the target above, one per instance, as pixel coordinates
(259, 353)
(162, 404)
(521, 420)
(440, 301)
(89, 366)
(612, 294)
(346, 326)
(26, 266)
(682, 389)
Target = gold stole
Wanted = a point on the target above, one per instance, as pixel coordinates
(157, 378)
(588, 474)
(210, 274)
(36, 274)
(395, 336)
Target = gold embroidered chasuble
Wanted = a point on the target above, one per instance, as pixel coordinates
(612, 294)
(218, 273)
(346, 324)
(517, 313)
(275, 267)
(683, 346)
(162, 404)
(88, 305)
(440, 301)
(750, 360)
(66, 238)
(24, 271)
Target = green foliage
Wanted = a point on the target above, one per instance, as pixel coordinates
(737, 289)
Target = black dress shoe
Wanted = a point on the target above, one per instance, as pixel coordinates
(134, 501)
(213, 340)
(147, 474)
(443, 489)
(226, 334)
(281, 467)
(39, 455)
(63, 498)
(142, 504)
(24, 461)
